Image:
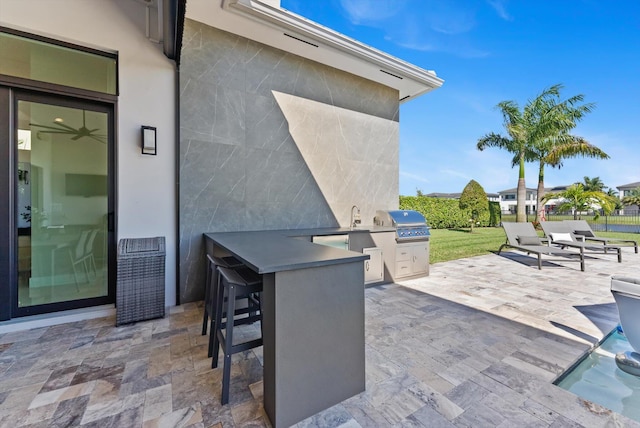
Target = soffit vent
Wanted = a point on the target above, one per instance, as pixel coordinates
(300, 40)
(391, 74)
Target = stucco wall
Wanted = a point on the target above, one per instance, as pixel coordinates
(270, 140)
(146, 196)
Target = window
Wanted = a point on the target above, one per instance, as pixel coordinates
(45, 61)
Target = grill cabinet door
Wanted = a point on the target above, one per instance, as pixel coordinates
(419, 258)
(373, 269)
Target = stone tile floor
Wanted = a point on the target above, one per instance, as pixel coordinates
(477, 343)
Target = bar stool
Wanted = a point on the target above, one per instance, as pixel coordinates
(212, 283)
(233, 285)
(211, 275)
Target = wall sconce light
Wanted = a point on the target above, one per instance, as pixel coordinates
(149, 142)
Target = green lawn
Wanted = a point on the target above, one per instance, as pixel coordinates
(459, 243)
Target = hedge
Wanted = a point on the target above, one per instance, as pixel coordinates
(446, 213)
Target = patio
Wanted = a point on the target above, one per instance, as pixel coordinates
(477, 343)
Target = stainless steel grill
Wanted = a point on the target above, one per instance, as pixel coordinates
(410, 225)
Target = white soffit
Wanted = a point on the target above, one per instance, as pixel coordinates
(273, 26)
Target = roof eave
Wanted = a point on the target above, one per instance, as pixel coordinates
(426, 80)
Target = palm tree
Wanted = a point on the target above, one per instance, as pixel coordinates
(523, 129)
(575, 198)
(633, 198)
(594, 183)
(613, 194)
(553, 143)
(540, 132)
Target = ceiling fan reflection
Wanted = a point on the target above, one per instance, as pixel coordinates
(83, 131)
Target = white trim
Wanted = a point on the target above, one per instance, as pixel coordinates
(286, 19)
(47, 320)
(266, 23)
(58, 38)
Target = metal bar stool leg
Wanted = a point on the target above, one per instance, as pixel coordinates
(215, 287)
(207, 297)
(228, 344)
(214, 338)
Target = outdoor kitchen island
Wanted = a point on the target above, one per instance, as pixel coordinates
(313, 319)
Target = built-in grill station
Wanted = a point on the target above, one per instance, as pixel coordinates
(411, 255)
(410, 225)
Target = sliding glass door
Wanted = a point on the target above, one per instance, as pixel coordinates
(63, 152)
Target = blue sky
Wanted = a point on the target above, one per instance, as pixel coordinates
(489, 51)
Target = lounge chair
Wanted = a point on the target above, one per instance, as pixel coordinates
(523, 237)
(582, 228)
(560, 233)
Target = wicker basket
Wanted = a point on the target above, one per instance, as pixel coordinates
(140, 286)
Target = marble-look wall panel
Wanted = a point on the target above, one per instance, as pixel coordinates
(274, 176)
(267, 128)
(214, 112)
(270, 140)
(211, 172)
(213, 59)
(352, 156)
(269, 69)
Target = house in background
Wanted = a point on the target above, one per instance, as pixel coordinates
(551, 204)
(259, 118)
(508, 200)
(625, 190)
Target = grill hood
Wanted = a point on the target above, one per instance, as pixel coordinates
(410, 225)
(399, 218)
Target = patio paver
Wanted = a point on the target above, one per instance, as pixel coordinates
(477, 343)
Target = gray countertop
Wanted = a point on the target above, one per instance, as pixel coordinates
(327, 231)
(278, 250)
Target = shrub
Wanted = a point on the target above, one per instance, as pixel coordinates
(446, 213)
(495, 214)
(473, 201)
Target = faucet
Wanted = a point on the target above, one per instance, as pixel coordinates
(355, 217)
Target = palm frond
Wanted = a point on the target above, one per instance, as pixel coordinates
(570, 146)
(575, 197)
(495, 140)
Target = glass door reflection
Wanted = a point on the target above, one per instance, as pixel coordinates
(62, 194)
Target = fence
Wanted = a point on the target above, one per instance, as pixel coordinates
(628, 223)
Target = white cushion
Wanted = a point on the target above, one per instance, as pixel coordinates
(560, 237)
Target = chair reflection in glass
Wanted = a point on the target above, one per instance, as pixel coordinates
(82, 253)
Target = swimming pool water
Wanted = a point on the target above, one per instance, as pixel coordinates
(598, 379)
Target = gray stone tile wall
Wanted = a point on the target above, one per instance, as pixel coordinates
(270, 140)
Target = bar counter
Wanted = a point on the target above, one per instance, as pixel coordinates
(274, 251)
(313, 318)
